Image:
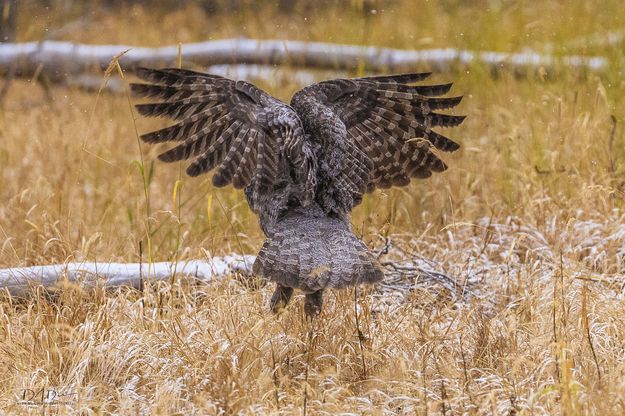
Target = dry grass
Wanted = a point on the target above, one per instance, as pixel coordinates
(531, 210)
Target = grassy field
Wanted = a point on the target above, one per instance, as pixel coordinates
(530, 211)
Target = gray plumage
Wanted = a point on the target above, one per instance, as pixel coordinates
(304, 167)
(311, 251)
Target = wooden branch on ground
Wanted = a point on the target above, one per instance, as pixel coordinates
(19, 280)
(62, 60)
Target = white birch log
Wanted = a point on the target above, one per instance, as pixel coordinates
(62, 60)
(19, 280)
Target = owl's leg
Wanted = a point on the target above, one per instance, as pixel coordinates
(281, 297)
(313, 303)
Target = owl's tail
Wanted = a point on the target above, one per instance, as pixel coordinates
(310, 251)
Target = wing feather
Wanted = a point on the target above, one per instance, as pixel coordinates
(399, 78)
(184, 130)
(233, 158)
(245, 172)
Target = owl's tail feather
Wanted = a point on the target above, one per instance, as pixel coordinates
(310, 251)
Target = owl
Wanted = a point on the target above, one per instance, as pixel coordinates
(304, 166)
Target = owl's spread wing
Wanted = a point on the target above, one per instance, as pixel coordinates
(381, 132)
(232, 127)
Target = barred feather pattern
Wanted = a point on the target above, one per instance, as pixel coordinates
(311, 251)
(246, 137)
(303, 167)
(374, 132)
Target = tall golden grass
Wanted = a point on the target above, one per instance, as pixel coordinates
(531, 211)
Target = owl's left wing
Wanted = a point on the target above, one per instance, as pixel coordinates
(232, 127)
(380, 132)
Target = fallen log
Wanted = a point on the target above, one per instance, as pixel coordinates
(19, 280)
(59, 61)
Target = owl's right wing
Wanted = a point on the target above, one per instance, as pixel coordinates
(376, 132)
(247, 136)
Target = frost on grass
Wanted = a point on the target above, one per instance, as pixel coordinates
(484, 319)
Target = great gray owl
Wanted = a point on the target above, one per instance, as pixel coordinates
(304, 167)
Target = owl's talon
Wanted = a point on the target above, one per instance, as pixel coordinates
(280, 298)
(313, 304)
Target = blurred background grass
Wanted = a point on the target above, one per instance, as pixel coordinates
(531, 144)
